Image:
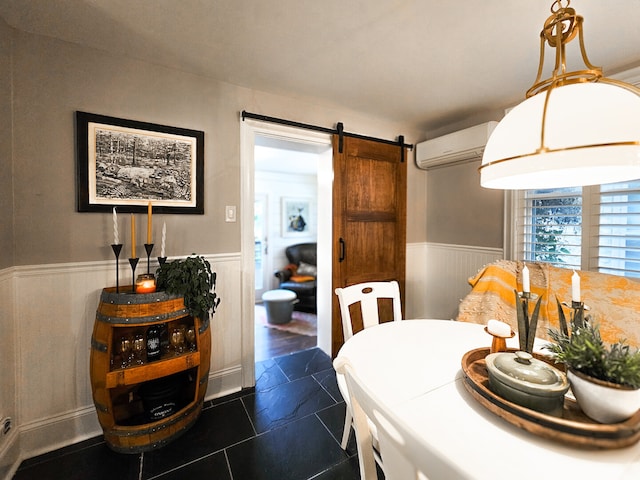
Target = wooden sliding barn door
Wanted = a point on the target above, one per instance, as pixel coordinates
(369, 220)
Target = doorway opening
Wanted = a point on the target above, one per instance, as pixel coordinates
(265, 210)
(286, 236)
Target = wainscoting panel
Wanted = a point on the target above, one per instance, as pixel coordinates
(447, 271)
(55, 307)
(9, 445)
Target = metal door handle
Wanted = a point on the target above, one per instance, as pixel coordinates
(341, 259)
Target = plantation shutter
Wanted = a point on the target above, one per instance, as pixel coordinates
(550, 226)
(619, 229)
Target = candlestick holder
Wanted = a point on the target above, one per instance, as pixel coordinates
(162, 260)
(499, 342)
(117, 248)
(148, 248)
(527, 324)
(134, 263)
(577, 316)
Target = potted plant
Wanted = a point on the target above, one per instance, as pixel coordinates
(193, 279)
(605, 379)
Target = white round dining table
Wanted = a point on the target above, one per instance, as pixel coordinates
(414, 368)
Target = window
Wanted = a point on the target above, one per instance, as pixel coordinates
(619, 229)
(556, 226)
(552, 226)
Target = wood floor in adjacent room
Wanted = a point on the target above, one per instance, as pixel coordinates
(271, 343)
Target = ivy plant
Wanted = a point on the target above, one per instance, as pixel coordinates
(193, 279)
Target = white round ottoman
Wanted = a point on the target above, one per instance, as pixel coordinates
(279, 305)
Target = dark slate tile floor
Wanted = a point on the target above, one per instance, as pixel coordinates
(288, 428)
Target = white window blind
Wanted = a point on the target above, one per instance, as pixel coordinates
(619, 229)
(550, 226)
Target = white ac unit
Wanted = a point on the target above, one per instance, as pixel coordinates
(457, 147)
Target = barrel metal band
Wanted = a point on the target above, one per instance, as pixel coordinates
(101, 408)
(204, 325)
(137, 320)
(96, 345)
(158, 443)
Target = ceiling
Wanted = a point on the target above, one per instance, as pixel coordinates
(425, 63)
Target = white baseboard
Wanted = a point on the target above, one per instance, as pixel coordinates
(49, 434)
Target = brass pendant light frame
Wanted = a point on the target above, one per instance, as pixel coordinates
(559, 29)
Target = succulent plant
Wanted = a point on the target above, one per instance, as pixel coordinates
(583, 350)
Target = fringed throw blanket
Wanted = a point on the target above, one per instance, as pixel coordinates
(614, 302)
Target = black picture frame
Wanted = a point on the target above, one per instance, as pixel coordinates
(127, 164)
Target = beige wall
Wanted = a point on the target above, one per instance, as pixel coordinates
(53, 79)
(461, 212)
(6, 178)
(65, 256)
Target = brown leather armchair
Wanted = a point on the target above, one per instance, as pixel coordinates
(299, 275)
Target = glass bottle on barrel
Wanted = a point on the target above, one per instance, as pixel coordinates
(153, 343)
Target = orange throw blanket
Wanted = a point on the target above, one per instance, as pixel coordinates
(613, 301)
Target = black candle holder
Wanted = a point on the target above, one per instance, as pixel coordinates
(148, 247)
(117, 248)
(134, 263)
(162, 260)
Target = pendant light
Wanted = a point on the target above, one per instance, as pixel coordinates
(574, 128)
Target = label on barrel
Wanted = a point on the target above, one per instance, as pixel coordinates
(153, 343)
(161, 411)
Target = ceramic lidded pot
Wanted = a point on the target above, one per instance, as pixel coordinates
(527, 381)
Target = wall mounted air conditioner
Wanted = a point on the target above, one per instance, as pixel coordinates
(457, 147)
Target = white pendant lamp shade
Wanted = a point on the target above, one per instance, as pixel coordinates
(591, 136)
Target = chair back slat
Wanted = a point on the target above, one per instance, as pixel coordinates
(367, 295)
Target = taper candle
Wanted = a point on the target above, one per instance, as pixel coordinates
(575, 287)
(116, 238)
(164, 238)
(526, 287)
(149, 209)
(133, 236)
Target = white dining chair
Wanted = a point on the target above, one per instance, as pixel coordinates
(404, 455)
(367, 295)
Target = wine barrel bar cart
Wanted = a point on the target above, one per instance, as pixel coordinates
(149, 368)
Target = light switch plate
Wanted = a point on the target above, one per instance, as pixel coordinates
(230, 213)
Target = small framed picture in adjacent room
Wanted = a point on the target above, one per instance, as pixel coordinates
(296, 216)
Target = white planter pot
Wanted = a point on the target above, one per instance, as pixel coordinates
(603, 402)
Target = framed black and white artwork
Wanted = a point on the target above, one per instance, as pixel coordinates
(127, 163)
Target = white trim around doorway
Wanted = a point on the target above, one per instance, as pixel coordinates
(249, 129)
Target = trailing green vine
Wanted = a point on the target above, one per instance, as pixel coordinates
(193, 279)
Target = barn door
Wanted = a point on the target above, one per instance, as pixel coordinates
(369, 220)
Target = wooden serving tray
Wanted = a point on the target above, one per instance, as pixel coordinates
(572, 426)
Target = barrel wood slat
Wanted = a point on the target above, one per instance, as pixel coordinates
(117, 391)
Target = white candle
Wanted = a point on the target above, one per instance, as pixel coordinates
(164, 238)
(526, 287)
(149, 209)
(116, 238)
(575, 287)
(498, 328)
